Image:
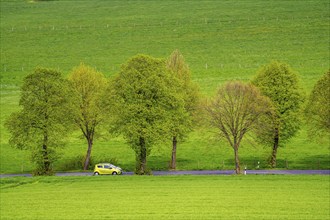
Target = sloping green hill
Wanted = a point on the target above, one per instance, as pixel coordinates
(221, 40)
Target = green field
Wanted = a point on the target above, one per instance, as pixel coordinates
(166, 197)
(220, 40)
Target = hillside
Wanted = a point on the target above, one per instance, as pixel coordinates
(220, 40)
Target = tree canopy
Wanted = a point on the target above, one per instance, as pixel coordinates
(143, 99)
(235, 110)
(88, 89)
(317, 111)
(280, 83)
(182, 121)
(43, 121)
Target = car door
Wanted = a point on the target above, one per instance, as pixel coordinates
(107, 169)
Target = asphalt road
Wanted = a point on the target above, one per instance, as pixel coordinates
(198, 172)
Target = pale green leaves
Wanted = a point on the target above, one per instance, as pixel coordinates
(145, 99)
(278, 82)
(88, 89)
(317, 111)
(43, 121)
(182, 121)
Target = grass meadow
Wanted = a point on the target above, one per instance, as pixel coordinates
(166, 197)
(220, 40)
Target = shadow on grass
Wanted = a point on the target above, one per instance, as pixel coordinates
(163, 163)
(315, 162)
(253, 163)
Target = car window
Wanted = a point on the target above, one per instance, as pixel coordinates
(99, 166)
(106, 166)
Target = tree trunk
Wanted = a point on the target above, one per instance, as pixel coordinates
(173, 158)
(89, 151)
(46, 162)
(275, 146)
(141, 158)
(237, 164)
(46, 170)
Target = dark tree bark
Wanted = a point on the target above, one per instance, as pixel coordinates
(88, 154)
(275, 146)
(173, 158)
(89, 135)
(237, 163)
(46, 162)
(141, 158)
(45, 155)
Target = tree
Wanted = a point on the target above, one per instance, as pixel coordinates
(143, 99)
(237, 109)
(88, 87)
(317, 111)
(43, 121)
(278, 82)
(182, 121)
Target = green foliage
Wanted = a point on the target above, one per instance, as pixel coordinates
(143, 101)
(278, 82)
(43, 121)
(182, 122)
(317, 111)
(169, 197)
(88, 88)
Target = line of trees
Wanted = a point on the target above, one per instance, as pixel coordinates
(154, 100)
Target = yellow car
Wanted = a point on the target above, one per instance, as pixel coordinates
(107, 168)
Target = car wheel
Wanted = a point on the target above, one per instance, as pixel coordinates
(114, 173)
(96, 174)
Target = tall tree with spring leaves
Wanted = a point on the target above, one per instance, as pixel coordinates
(143, 99)
(182, 123)
(280, 83)
(44, 119)
(317, 111)
(88, 87)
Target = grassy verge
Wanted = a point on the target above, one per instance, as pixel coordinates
(166, 197)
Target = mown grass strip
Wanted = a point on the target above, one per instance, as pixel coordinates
(164, 197)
